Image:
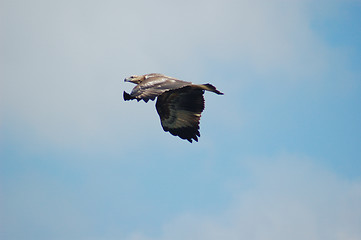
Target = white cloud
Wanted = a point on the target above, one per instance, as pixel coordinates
(290, 198)
(63, 62)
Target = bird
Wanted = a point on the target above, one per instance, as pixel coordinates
(179, 103)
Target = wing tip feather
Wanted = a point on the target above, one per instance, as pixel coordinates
(186, 133)
(127, 96)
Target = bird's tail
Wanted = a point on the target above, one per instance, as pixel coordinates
(210, 87)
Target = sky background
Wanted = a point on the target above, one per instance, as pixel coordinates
(279, 155)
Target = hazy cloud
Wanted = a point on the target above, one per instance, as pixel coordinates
(64, 62)
(290, 198)
(77, 162)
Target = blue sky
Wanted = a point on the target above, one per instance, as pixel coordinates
(279, 154)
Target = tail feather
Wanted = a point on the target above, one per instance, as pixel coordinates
(211, 88)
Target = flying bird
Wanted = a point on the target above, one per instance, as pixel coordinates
(179, 103)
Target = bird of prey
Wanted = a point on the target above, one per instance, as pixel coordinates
(179, 104)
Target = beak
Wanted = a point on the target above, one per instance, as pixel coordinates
(132, 79)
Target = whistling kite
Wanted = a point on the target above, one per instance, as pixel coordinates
(179, 103)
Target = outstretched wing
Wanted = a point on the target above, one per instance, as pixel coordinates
(154, 85)
(180, 111)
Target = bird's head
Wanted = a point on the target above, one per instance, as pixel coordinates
(134, 79)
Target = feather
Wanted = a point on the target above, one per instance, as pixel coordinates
(179, 103)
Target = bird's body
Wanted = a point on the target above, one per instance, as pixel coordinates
(179, 103)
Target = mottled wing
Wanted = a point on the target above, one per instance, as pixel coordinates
(180, 111)
(154, 85)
